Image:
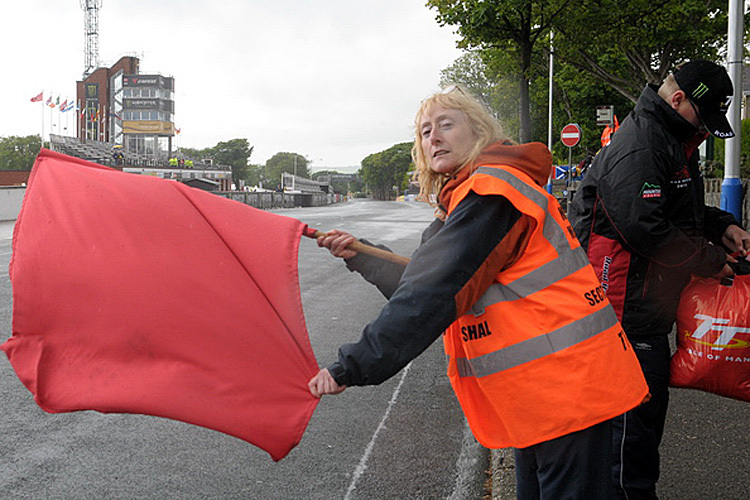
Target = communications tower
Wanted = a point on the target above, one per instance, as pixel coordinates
(91, 33)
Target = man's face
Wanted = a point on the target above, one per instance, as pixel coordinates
(689, 111)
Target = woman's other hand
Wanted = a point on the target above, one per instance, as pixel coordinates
(323, 383)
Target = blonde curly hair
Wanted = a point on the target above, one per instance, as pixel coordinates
(486, 129)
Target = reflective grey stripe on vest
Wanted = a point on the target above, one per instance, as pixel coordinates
(538, 347)
(535, 281)
(568, 261)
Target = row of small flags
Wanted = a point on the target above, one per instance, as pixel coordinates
(62, 106)
(65, 106)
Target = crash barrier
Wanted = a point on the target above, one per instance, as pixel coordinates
(10, 201)
(270, 200)
(11, 196)
(713, 196)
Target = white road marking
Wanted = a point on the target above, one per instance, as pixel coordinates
(362, 466)
(465, 465)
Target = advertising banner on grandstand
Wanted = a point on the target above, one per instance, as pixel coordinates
(140, 103)
(147, 127)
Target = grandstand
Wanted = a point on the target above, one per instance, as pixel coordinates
(96, 151)
(102, 153)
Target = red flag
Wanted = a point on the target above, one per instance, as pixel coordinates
(134, 294)
(38, 97)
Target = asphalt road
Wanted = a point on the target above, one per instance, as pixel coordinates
(403, 439)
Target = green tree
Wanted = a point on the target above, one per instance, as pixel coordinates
(627, 43)
(235, 153)
(622, 44)
(256, 176)
(197, 154)
(18, 153)
(512, 26)
(574, 101)
(386, 169)
(575, 98)
(471, 72)
(716, 166)
(291, 163)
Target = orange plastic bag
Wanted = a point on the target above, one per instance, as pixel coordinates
(713, 338)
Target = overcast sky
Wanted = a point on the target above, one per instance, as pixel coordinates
(333, 80)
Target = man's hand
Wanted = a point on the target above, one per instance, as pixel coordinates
(337, 242)
(726, 271)
(323, 383)
(736, 240)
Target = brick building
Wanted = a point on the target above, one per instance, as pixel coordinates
(121, 106)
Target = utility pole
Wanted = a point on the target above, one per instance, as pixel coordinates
(549, 111)
(731, 188)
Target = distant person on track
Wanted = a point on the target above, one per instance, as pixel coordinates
(641, 215)
(536, 355)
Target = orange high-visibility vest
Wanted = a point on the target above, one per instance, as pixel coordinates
(541, 354)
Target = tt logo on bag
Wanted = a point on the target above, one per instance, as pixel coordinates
(727, 333)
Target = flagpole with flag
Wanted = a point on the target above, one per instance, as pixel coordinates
(49, 106)
(64, 108)
(103, 125)
(82, 118)
(44, 118)
(60, 107)
(39, 98)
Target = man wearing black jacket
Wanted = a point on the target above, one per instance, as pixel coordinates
(641, 216)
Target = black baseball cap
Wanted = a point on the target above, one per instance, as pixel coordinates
(709, 87)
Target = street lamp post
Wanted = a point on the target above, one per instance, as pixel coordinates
(731, 188)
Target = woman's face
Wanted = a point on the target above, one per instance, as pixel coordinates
(446, 139)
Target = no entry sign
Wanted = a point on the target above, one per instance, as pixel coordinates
(571, 134)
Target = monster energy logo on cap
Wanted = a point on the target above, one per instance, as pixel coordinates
(700, 90)
(708, 87)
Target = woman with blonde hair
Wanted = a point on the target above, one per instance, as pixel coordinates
(536, 355)
(485, 128)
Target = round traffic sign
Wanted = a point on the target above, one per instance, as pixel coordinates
(571, 134)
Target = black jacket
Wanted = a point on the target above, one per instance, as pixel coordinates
(454, 265)
(422, 296)
(640, 213)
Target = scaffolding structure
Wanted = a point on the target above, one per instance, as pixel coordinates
(91, 33)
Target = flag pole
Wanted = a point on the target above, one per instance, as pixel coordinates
(360, 247)
(41, 139)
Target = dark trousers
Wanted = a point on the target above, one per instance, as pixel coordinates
(576, 466)
(636, 435)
